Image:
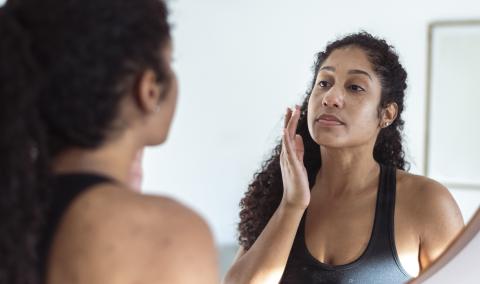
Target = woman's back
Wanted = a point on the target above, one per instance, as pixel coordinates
(109, 234)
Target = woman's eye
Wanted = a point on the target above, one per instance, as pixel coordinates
(323, 84)
(356, 88)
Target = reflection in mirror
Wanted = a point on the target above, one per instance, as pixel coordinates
(240, 64)
(452, 137)
(331, 218)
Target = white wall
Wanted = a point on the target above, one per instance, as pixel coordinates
(240, 63)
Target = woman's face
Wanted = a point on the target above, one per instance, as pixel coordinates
(343, 106)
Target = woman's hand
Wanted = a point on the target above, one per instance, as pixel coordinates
(296, 190)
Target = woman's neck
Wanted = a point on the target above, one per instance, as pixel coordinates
(114, 159)
(346, 171)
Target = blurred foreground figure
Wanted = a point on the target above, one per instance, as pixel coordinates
(84, 86)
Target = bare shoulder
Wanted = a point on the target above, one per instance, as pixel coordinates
(432, 211)
(112, 235)
(427, 197)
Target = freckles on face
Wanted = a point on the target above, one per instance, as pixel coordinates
(343, 106)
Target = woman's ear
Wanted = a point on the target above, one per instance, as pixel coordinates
(389, 114)
(148, 91)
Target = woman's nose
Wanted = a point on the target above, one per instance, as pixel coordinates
(333, 99)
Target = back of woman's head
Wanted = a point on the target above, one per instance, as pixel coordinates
(65, 67)
(265, 192)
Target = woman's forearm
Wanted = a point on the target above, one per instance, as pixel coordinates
(265, 261)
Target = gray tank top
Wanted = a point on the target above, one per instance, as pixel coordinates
(379, 263)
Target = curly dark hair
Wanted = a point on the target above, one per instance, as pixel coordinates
(65, 66)
(265, 192)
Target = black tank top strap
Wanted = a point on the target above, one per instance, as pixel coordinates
(380, 232)
(391, 193)
(65, 189)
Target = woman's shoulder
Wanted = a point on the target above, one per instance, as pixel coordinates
(422, 187)
(112, 203)
(112, 229)
(429, 202)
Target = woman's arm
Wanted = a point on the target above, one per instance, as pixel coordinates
(265, 261)
(454, 257)
(439, 221)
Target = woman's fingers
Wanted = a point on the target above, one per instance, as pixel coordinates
(285, 139)
(299, 147)
(290, 151)
(292, 144)
(288, 115)
(293, 123)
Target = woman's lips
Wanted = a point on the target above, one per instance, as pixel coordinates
(328, 120)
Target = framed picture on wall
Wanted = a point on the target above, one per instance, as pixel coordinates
(452, 142)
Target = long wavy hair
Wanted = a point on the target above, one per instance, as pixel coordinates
(265, 192)
(65, 66)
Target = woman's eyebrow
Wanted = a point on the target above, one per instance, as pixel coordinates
(353, 71)
(328, 68)
(361, 72)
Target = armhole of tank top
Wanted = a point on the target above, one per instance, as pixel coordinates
(393, 191)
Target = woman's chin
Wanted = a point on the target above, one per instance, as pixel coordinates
(329, 140)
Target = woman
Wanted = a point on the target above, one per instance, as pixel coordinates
(84, 85)
(333, 204)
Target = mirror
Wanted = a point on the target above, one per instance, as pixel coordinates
(240, 64)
